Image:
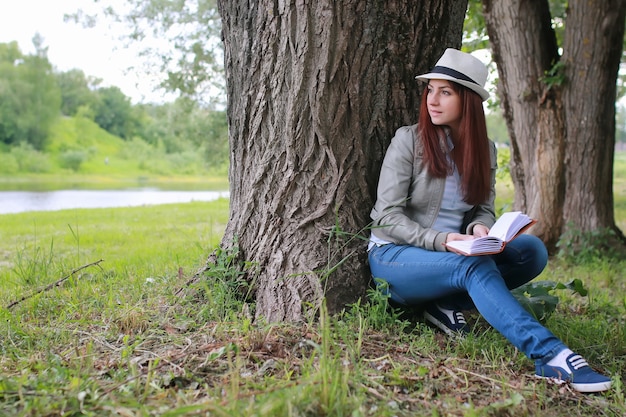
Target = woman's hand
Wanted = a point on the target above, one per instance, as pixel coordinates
(457, 236)
(480, 230)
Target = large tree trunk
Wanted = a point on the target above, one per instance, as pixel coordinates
(315, 91)
(592, 50)
(524, 48)
(558, 110)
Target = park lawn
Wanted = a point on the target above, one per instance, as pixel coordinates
(132, 333)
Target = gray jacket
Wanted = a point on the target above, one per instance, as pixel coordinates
(409, 199)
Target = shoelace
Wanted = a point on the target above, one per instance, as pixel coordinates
(460, 318)
(577, 362)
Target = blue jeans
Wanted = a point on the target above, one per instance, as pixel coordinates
(417, 276)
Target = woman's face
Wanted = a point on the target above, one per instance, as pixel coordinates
(444, 104)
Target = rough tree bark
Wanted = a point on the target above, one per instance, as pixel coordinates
(315, 91)
(561, 123)
(592, 50)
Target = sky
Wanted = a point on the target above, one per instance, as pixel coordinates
(97, 51)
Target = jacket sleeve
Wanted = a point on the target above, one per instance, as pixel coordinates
(391, 221)
(485, 213)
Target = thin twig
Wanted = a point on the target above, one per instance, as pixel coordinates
(54, 284)
(484, 377)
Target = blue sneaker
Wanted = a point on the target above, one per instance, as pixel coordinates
(452, 322)
(578, 374)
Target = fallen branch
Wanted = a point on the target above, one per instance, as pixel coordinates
(54, 284)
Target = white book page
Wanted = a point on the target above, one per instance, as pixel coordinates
(505, 229)
(508, 225)
(483, 244)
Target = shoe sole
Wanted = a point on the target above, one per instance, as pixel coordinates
(585, 388)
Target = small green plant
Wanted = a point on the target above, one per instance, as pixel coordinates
(72, 159)
(341, 246)
(538, 298)
(31, 265)
(579, 247)
(225, 285)
(376, 310)
(555, 76)
(31, 160)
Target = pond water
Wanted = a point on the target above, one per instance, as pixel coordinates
(21, 201)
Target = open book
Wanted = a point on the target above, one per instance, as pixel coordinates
(508, 227)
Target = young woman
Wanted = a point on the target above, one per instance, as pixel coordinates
(437, 184)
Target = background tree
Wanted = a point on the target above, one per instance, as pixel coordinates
(559, 104)
(77, 90)
(29, 97)
(181, 43)
(186, 125)
(10, 55)
(315, 92)
(113, 112)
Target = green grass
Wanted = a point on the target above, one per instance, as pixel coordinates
(125, 335)
(128, 337)
(127, 239)
(62, 342)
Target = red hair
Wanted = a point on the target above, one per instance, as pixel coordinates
(471, 150)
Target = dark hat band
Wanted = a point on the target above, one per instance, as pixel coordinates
(453, 73)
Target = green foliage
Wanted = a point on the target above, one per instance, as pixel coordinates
(185, 137)
(620, 123)
(578, 247)
(113, 112)
(224, 287)
(475, 37)
(73, 159)
(558, 11)
(376, 311)
(8, 164)
(29, 159)
(555, 76)
(185, 163)
(185, 126)
(504, 163)
(78, 144)
(474, 30)
(191, 29)
(77, 91)
(539, 299)
(496, 127)
(29, 97)
(212, 127)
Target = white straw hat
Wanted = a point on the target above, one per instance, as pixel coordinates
(462, 68)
